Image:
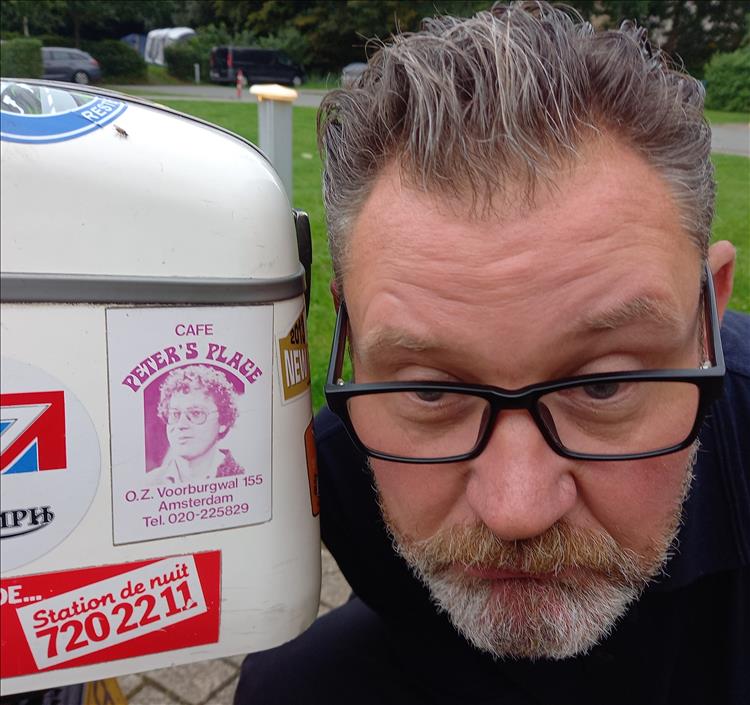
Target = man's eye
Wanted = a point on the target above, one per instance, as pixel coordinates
(602, 390)
(430, 396)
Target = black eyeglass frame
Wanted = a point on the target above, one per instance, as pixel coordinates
(708, 380)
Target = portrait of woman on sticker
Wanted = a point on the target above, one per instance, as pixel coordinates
(198, 405)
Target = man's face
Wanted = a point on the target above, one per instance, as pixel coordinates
(531, 554)
(193, 426)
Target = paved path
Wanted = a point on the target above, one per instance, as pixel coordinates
(731, 139)
(213, 682)
(307, 98)
(725, 139)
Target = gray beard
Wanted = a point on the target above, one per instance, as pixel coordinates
(530, 619)
(547, 618)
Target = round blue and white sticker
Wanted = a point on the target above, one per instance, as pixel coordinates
(49, 463)
(38, 114)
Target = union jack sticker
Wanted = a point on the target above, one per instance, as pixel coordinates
(32, 432)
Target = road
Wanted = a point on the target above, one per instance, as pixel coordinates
(307, 98)
(731, 139)
(725, 139)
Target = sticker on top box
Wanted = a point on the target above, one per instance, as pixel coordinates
(49, 463)
(311, 456)
(190, 404)
(294, 361)
(91, 615)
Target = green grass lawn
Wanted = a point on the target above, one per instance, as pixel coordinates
(722, 117)
(158, 76)
(732, 214)
(327, 81)
(732, 220)
(155, 76)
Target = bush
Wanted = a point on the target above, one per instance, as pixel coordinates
(21, 58)
(212, 36)
(728, 81)
(56, 40)
(117, 59)
(291, 41)
(181, 56)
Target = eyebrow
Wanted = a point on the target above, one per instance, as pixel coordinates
(641, 309)
(385, 340)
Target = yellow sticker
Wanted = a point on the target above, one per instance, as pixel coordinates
(294, 360)
(106, 692)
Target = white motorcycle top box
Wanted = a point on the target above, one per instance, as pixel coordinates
(158, 502)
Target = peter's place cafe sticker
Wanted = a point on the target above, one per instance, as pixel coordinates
(190, 403)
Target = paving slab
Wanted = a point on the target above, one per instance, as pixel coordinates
(148, 695)
(193, 683)
(130, 683)
(334, 589)
(225, 696)
(236, 660)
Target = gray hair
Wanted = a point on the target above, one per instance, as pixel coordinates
(467, 107)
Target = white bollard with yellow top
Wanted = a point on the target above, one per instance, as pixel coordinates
(275, 127)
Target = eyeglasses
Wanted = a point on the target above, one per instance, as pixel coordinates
(195, 415)
(612, 416)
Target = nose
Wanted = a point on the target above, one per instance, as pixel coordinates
(519, 487)
(183, 421)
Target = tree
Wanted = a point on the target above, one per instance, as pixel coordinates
(337, 31)
(89, 19)
(30, 17)
(690, 31)
(700, 29)
(235, 13)
(96, 19)
(91, 13)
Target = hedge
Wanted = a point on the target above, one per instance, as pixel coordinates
(56, 40)
(117, 59)
(727, 79)
(21, 58)
(181, 57)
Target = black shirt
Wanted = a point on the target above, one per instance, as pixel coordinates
(687, 640)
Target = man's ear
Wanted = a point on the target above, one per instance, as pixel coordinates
(721, 257)
(336, 294)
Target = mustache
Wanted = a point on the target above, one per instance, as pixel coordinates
(560, 547)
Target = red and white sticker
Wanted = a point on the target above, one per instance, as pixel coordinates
(49, 463)
(91, 615)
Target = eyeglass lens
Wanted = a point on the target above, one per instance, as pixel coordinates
(195, 415)
(608, 418)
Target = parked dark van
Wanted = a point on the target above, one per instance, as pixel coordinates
(257, 65)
